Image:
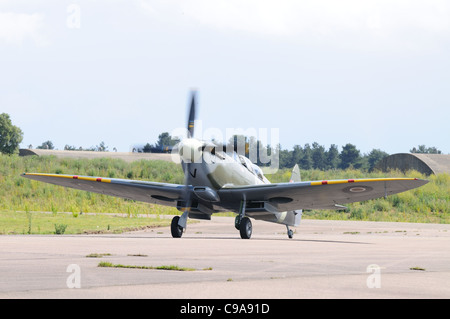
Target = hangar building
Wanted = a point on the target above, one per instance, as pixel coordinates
(424, 163)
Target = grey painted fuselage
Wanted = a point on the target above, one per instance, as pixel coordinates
(219, 170)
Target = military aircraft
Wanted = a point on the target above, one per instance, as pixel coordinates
(222, 181)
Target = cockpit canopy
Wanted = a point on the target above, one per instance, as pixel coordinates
(254, 169)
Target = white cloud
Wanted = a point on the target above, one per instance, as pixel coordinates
(369, 23)
(254, 16)
(15, 28)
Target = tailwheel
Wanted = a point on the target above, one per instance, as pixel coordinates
(245, 228)
(290, 232)
(177, 230)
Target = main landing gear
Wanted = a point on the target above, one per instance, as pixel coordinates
(244, 226)
(177, 230)
(243, 223)
(179, 224)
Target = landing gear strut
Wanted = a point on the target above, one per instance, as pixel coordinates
(243, 223)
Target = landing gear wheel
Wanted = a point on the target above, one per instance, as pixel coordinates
(245, 228)
(290, 233)
(177, 230)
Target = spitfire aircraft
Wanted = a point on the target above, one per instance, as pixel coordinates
(221, 181)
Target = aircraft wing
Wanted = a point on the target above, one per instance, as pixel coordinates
(150, 192)
(319, 194)
(281, 196)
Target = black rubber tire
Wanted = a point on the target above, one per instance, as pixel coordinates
(245, 228)
(176, 230)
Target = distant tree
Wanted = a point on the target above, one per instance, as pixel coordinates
(285, 157)
(164, 139)
(318, 156)
(296, 156)
(102, 147)
(332, 157)
(10, 135)
(349, 156)
(374, 157)
(306, 158)
(47, 145)
(147, 148)
(362, 163)
(70, 148)
(422, 149)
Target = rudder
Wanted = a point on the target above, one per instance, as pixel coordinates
(295, 175)
(296, 215)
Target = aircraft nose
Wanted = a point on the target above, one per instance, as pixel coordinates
(190, 150)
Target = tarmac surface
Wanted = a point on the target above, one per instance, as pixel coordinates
(325, 259)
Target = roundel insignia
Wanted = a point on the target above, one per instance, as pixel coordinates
(357, 189)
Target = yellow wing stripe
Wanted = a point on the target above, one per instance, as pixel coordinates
(344, 181)
(83, 178)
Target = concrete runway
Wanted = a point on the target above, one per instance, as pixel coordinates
(326, 259)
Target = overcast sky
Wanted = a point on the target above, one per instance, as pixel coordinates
(372, 73)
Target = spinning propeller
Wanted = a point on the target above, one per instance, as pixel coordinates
(190, 150)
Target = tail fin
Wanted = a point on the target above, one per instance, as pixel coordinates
(289, 218)
(295, 176)
(296, 214)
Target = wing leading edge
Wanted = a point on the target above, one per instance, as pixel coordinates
(320, 194)
(150, 192)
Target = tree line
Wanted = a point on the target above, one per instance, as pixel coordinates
(164, 144)
(308, 156)
(48, 145)
(316, 156)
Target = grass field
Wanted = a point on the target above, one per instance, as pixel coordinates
(32, 207)
(63, 223)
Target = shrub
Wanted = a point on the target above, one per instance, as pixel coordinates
(60, 229)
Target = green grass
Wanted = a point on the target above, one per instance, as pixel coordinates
(417, 268)
(31, 207)
(21, 194)
(44, 223)
(164, 267)
(98, 255)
